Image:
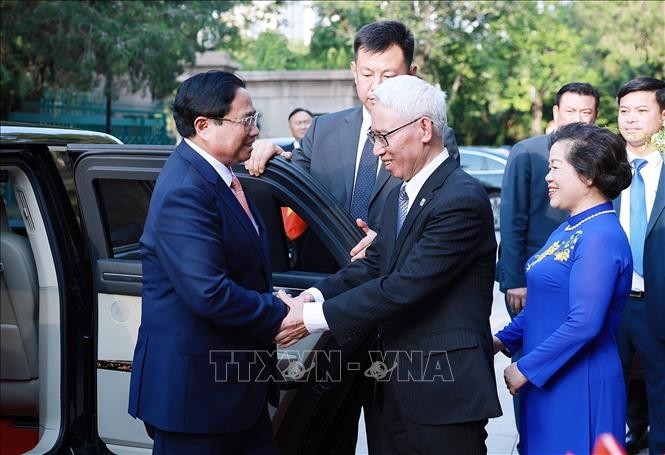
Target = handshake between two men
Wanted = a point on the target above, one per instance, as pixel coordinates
(293, 327)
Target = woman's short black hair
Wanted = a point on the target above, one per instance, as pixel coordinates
(598, 155)
(207, 94)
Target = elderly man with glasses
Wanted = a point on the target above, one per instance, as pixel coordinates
(425, 284)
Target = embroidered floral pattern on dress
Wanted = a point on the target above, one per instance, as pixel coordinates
(560, 250)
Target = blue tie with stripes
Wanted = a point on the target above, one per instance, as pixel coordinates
(364, 185)
(402, 206)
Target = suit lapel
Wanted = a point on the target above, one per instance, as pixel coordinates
(381, 180)
(658, 203)
(425, 196)
(224, 192)
(349, 136)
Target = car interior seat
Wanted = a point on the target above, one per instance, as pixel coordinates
(19, 299)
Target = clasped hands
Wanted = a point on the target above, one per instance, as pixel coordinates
(513, 377)
(293, 327)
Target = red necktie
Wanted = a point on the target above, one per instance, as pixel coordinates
(240, 195)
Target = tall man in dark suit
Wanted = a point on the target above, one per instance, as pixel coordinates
(207, 302)
(642, 215)
(527, 219)
(426, 283)
(299, 121)
(336, 151)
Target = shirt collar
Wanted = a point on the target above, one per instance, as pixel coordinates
(414, 185)
(224, 172)
(366, 125)
(652, 158)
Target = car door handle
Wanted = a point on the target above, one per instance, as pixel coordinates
(122, 277)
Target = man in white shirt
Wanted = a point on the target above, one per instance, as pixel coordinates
(425, 284)
(642, 215)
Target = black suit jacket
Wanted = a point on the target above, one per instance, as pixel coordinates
(654, 260)
(527, 219)
(429, 289)
(329, 151)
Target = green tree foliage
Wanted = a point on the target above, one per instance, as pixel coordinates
(501, 62)
(71, 44)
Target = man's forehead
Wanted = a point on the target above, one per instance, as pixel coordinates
(389, 59)
(640, 96)
(571, 98)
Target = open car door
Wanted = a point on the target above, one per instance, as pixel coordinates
(114, 185)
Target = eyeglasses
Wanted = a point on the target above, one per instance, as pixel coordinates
(247, 122)
(383, 138)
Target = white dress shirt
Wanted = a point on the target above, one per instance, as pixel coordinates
(651, 174)
(313, 316)
(224, 172)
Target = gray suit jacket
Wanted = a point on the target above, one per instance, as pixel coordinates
(654, 260)
(527, 219)
(329, 154)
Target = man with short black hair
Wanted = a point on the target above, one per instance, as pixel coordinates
(299, 121)
(642, 214)
(207, 286)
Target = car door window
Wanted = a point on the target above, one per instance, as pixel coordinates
(473, 162)
(124, 206)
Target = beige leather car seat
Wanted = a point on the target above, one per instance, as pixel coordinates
(19, 299)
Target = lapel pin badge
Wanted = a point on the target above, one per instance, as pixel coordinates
(422, 202)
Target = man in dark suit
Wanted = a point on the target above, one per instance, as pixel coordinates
(335, 150)
(299, 121)
(642, 215)
(207, 311)
(426, 284)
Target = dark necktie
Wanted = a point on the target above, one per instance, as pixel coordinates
(364, 185)
(402, 206)
(638, 217)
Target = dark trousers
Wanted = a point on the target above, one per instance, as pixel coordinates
(636, 336)
(257, 439)
(401, 435)
(362, 397)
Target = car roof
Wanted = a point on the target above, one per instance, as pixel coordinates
(499, 152)
(15, 133)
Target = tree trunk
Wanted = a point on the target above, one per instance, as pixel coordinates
(536, 111)
(108, 91)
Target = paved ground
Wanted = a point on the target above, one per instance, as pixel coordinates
(502, 434)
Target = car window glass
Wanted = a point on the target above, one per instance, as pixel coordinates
(124, 206)
(495, 165)
(293, 244)
(473, 162)
(9, 198)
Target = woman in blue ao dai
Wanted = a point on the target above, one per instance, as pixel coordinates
(569, 378)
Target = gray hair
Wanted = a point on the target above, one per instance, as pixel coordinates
(412, 97)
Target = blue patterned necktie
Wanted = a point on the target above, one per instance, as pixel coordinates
(364, 185)
(402, 206)
(638, 217)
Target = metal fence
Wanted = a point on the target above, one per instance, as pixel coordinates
(88, 112)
